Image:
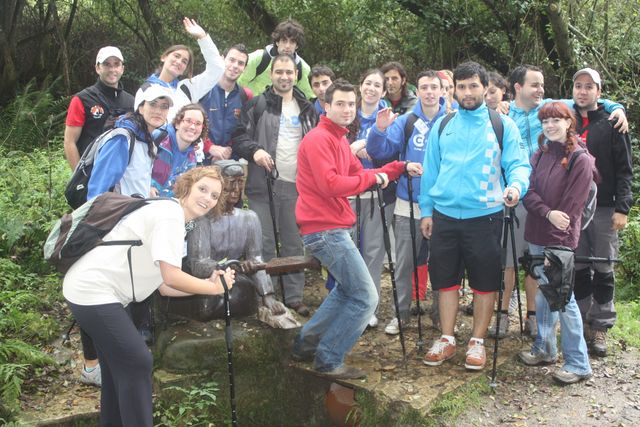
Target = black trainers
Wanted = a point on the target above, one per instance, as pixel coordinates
(344, 372)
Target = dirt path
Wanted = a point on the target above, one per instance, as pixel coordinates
(525, 396)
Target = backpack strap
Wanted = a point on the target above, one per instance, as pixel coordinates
(408, 130)
(299, 67)
(443, 123)
(498, 126)
(262, 66)
(186, 91)
(244, 96)
(573, 159)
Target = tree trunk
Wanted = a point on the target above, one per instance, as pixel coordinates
(11, 14)
(64, 51)
(257, 13)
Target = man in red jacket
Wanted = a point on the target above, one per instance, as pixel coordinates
(327, 174)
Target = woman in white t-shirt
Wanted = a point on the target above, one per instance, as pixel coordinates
(98, 287)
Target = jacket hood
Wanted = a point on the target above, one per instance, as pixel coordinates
(272, 50)
(127, 123)
(155, 79)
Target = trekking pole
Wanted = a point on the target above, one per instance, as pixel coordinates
(503, 262)
(392, 270)
(228, 338)
(272, 176)
(516, 280)
(65, 337)
(414, 252)
(358, 225)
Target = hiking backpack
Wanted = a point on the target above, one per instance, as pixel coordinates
(80, 231)
(76, 190)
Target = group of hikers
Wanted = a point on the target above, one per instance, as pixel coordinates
(443, 160)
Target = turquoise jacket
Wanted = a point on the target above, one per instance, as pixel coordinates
(462, 167)
(531, 128)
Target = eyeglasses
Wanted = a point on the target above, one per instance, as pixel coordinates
(160, 106)
(190, 122)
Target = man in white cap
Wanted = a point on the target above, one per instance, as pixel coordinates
(594, 285)
(91, 108)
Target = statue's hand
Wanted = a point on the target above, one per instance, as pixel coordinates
(275, 306)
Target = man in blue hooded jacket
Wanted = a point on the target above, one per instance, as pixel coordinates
(461, 202)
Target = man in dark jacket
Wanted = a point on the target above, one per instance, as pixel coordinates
(90, 108)
(268, 136)
(594, 285)
(224, 103)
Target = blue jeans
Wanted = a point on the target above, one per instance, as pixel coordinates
(574, 347)
(342, 317)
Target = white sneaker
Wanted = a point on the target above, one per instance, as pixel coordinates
(392, 327)
(373, 322)
(93, 377)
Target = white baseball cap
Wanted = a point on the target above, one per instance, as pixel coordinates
(595, 76)
(107, 52)
(148, 92)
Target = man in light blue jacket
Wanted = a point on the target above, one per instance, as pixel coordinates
(462, 196)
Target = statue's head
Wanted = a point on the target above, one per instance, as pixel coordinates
(233, 173)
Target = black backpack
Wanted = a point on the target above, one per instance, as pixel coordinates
(76, 190)
(78, 232)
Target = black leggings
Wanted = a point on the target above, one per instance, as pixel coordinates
(125, 362)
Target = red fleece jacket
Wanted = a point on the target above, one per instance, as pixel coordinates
(328, 173)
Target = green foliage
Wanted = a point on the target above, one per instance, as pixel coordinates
(17, 359)
(627, 327)
(191, 406)
(31, 197)
(628, 278)
(33, 117)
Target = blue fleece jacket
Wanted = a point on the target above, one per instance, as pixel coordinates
(112, 168)
(170, 163)
(530, 126)
(381, 145)
(223, 113)
(462, 167)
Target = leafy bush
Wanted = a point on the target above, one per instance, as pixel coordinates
(187, 406)
(628, 280)
(33, 118)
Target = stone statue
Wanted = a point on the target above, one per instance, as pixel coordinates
(236, 234)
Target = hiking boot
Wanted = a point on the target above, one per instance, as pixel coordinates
(476, 356)
(599, 343)
(300, 308)
(531, 326)
(92, 377)
(566, 377)
(373, 322)
(392, 327)
(302, 357)
(344, 372)
(530, 358)
(440, 351)
(504, 326)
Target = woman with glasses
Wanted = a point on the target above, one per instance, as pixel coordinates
(176, 152)
(124, 159)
